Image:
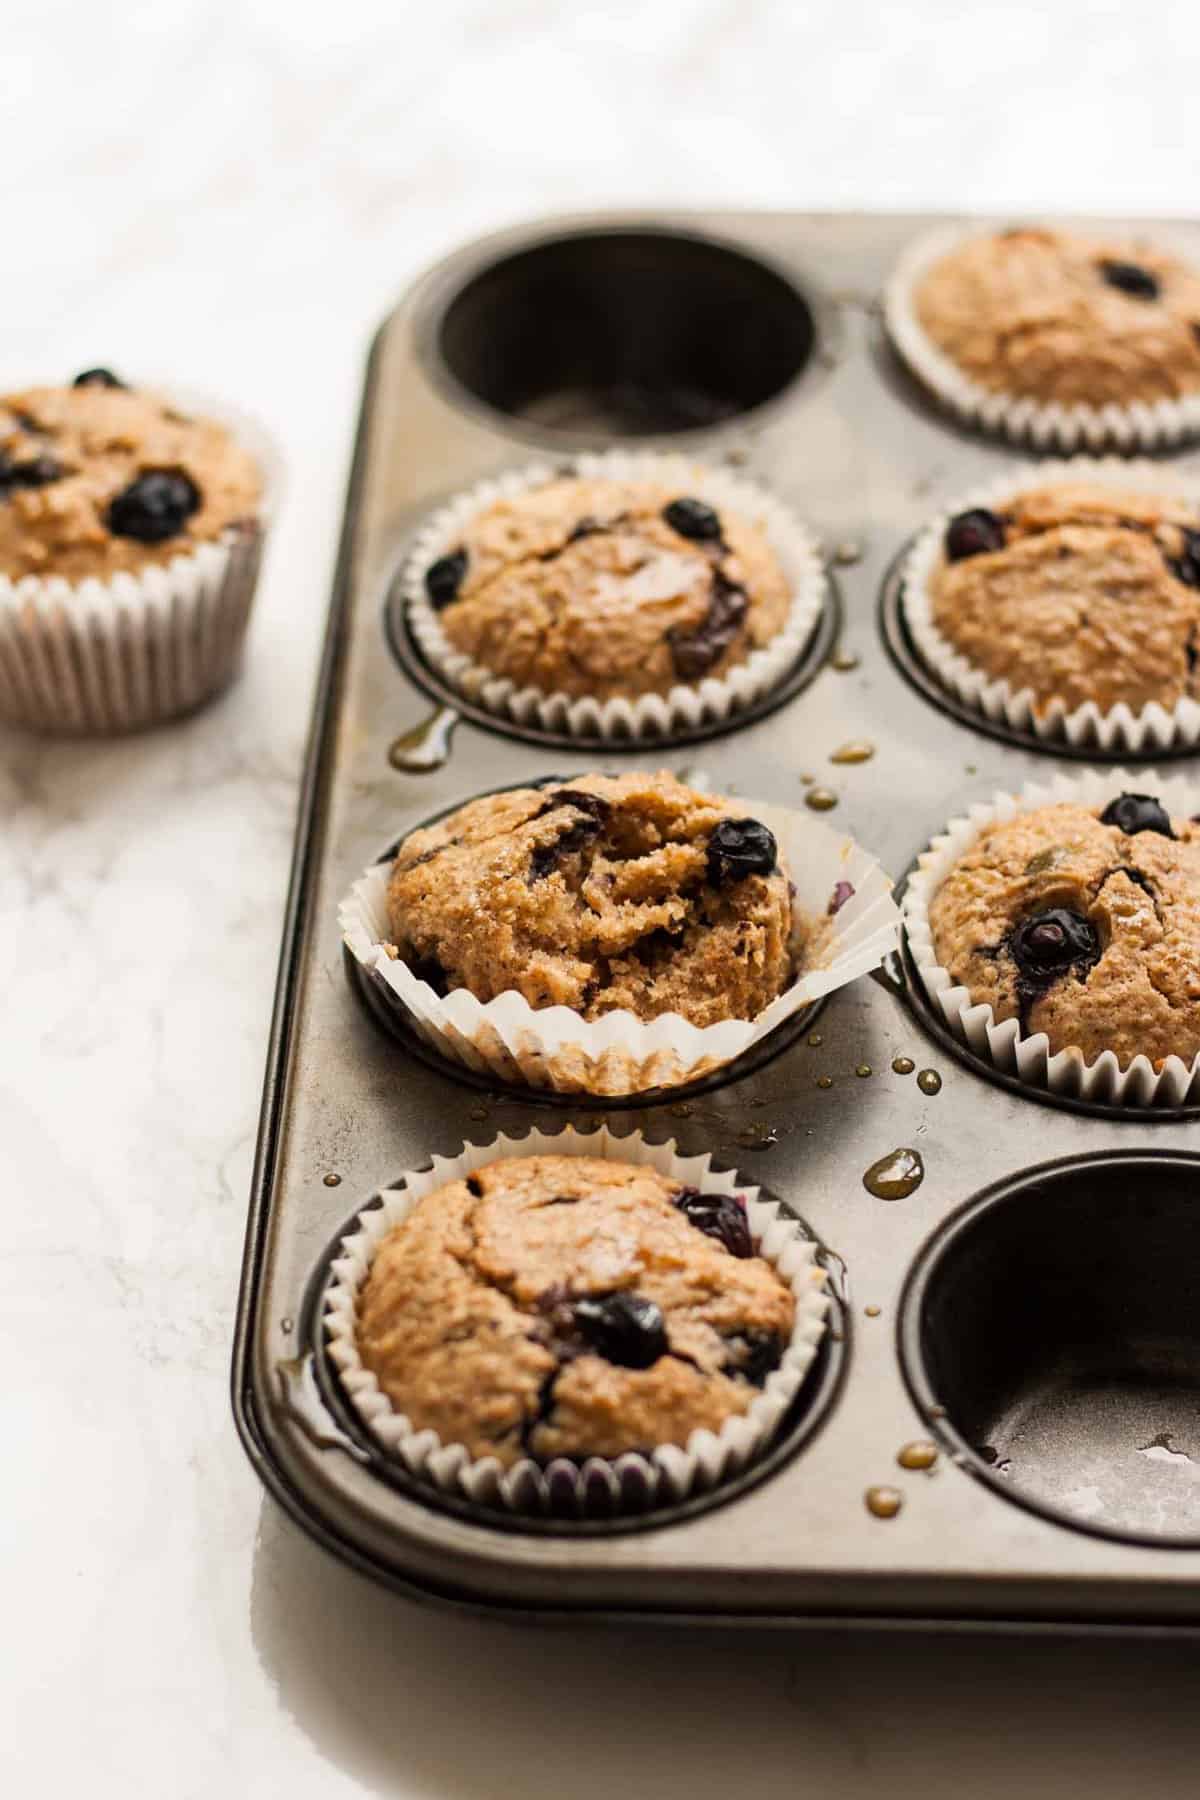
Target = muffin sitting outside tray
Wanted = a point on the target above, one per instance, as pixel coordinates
(569, 1306)
(99, 479)
(1081, 923)
(604, 588)
(605, 892)
(1077, 592)
(1053, 316)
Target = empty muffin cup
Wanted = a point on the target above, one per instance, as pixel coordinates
(842, 899)
(1073, 945)
(720, 576)
(1051, 1332)
(1169, 724)
(1045, 425)
(635, 1481)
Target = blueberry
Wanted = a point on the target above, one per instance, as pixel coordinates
(429, 970)
(37, 471)
(693, 653)
(740, 847)
(544, 858)
(444, 577)
(1048, 944)
(155, 506)
(693, 519)
(720, 1216)
(1131, 278)
(98, 378)
(1186, 566)
(753, 1354)
(972, 532)
(1137, 812)
(624, 1328)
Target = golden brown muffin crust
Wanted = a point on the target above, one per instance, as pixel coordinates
(1029, 312)
(466, 1315)
(102, 438)
(594, 895)
(1139, 892)
(1085, 601)
(583, 587)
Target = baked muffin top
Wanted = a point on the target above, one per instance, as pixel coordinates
(1084, 924)
(570, 1306)
(1054, 316)
(603, 892)
(609, 589)
(99, 478)
(1079, 592)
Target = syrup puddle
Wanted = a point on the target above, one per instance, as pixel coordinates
(427, 745)
(896, 1175)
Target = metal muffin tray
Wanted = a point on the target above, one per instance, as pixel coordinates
(1032, 1308)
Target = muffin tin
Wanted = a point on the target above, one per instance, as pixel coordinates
(1030, 1309)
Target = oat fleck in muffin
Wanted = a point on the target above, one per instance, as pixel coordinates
(1053, 316)
(570, 1306)
(1078, 592)
(608, 589)
(1084, 924)
(605, 892)
(99, 479)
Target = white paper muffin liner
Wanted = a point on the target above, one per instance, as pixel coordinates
(621, 1054)
(1144, 425)
(627, 1483)
(1152, 728)
(1140, 1084)
(107, 656)
(647, 716)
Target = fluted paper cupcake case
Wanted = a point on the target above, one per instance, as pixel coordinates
(628, 1483)
(109, 656)
(620, 1054)
(646, 716)
(1028, 1055)
(1153, 727)
(1143, 425)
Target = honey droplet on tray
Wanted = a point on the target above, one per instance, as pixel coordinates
(425, 746)
(929, 1081)
(821, 799)
(815, 1039)
(846, 554)
(920, 1454)
(824, 1081)
(883, 1502)
(863, 1070)
(858, 750)
(333, 1180)
(843, 661)
(872, 1312)
(903, 1065)
(756, 1137)
(895, 1176)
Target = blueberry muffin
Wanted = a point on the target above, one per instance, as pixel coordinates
(1083, 923)
(604, 892)
(1077, 591)
(99, 479)
(608, 589)
(1057, 317)
(563, 1306)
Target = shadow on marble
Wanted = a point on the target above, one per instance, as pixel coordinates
(409, 1700)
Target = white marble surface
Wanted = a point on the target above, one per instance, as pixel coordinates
(232, 191)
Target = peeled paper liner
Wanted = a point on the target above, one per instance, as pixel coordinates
(1140, 426)
(621, 1054)
(111, 656)
(1154, 727)
(1029, 1058)
(629, 1483)
(648, 716)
